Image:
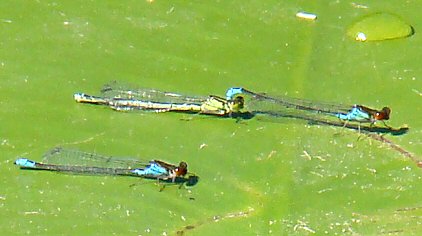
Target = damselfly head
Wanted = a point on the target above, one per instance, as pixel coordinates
(384, 114)
(182, 169)
(238, 103)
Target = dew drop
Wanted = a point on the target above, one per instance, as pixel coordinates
(378, 27)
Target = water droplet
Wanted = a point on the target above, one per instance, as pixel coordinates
(379, 26)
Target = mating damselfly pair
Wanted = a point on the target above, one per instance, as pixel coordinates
(78, 162)
(239, 102)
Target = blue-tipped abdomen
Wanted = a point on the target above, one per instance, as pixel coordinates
(231, 92)
(23, 162)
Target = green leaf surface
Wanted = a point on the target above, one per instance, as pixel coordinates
(256, 177)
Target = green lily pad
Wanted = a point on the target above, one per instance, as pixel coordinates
(380, 26)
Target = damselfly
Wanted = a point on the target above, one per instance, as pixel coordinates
(78, 162)
(282, 106)
(122, 98)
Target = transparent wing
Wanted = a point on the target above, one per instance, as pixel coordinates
(120, 90)
(70, 157)
(260, 101)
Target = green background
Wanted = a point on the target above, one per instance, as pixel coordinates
(256, 178)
